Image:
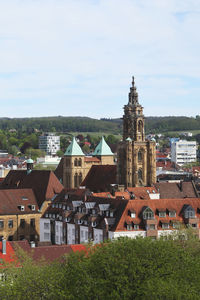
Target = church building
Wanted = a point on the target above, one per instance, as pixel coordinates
(136, 157)
(75, 165)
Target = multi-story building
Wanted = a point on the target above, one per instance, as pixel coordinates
(49, 143)
(136, 161)
(184, 152)
(75, 165)
(80, 216)
(19, 215)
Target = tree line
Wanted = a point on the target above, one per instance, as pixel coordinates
(122, 269)
(85, 124)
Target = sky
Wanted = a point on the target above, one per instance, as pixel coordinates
(77, 57)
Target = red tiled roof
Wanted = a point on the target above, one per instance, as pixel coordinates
(100, 177)
(10, 253)
(11, 199)
(44, 183)
(138, 192)
(48, 253)
(156, 205)
(176, 190)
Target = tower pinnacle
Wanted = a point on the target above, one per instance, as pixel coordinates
(133, 95)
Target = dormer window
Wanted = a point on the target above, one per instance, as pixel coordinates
(67, 219)
(189, 212)
(94, 224)
(111, 214)
(21, 207)
(32, 207)
(148, 214)
(80, 222)
(172, 213)
(133, 214)
(162, 213)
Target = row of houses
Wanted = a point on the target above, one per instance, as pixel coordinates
(81, 216)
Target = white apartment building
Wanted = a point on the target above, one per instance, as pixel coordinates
(184, 152)
(49, 143)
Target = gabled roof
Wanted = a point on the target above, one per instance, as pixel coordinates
(74, 149)
(11, 200)
(100, 177)
(176, 190)
(44, 183)
(48, 253)
(102, 149)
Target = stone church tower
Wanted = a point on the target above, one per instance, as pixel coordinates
(136, 156)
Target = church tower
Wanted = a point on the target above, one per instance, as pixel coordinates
(136, 157)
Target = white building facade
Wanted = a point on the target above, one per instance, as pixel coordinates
(49, 143)
(184, 152)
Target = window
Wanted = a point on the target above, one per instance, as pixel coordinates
(32, 223)
(139, 156)
(10, 238)
(162, 214)
(10, 223)
(33, 207)
(194, 225)
(172, 213)
(165, 225)
(1, 224)
(79, 162)
(46, 236)
(136, 226)
(129, 227)
(22, 223)
(151, 227)
(148, 214)
(133, 215)
(189, 212)
(176, 225)
(94, 224)
(46, 226)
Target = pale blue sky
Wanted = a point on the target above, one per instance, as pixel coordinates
(77, 57)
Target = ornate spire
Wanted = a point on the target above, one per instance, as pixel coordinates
(133, 95)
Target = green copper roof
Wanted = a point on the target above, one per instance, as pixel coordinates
(129, 139)
(102, 149)
(29, 161)
(74, 149)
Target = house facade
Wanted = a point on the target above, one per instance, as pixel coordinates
(136, 212)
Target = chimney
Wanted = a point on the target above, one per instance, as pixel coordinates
(32, 244)
(3, 246)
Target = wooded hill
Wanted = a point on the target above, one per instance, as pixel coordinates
(85, 124)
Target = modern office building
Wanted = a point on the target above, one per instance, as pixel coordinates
(49, 143)
(184, 152)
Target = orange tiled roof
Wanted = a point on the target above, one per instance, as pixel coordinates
(155, 205)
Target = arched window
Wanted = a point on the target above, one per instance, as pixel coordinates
(139, 155)
(140, 126)
(76, 162)
(80, 162)
(76, 180)
(80, 178)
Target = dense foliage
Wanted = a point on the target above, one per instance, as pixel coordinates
(123, 269)
(84, 124)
